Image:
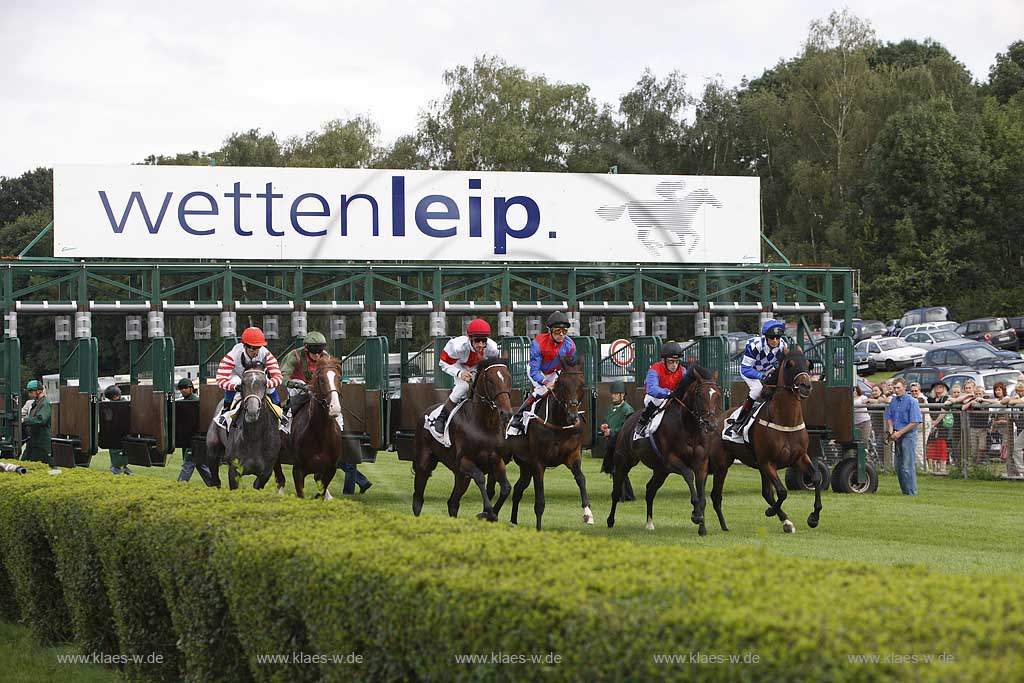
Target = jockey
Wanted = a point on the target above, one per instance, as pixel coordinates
(300, 364)
(762, 355)
(459, 359)
(546, 351)
(254, 348)
(662, 379)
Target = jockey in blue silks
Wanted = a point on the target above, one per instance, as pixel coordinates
(761, 355)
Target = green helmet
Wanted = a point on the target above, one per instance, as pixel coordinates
(33, 384)
(185, 383)
(315, 338)
(618, 387)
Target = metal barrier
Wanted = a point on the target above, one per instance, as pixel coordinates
(76, 428)
(152, 411)
(517, 350)
(366, 408)
(10, 397)
(647, 352)
(984, 441)
(442, 380)
(713, 354)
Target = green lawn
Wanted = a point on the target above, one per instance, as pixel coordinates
(953, 525)
(23, 660)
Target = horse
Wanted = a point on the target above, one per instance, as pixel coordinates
(252, 443)
(476, 432)
(679, 445)
(779, 439)
(554, 437)
(314, 443)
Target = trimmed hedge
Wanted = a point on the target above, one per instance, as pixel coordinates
(212, 580)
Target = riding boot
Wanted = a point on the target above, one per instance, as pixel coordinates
(736, 425)
(650, 410)
(442, 418)
(517, 420)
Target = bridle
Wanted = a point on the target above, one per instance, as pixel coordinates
(485, 398)
(802, 391)
(571, 406)
(250, 374)
(324, 401)
(706, 419)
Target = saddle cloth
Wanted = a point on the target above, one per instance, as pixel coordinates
(744, 435)
(428, 423)
(650, 428)
(225, 419)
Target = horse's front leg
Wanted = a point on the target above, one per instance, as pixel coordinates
(581, 481)
(538, 492)
(716, 494)
(324, 482)
(775, 494)
(279, 477)
(806, 466)
(461, 484)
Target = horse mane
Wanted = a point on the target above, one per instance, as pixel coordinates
(254, 364)
(694, 372)
(574, 362)
(488, 362)
(328, 361)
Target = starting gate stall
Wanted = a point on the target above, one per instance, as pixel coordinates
(365, 402)
(76, 418)
(10, 398)
(151, 436)
(416, 396)
(210, 394)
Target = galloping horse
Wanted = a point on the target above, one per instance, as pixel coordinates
(476, 432)
(553, 438)
(252, 443)
(679, 445)
(779, 440)
(314, 444)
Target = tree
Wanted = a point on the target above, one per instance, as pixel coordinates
(29, 192)
(1006, 77)
(496, 117)
(652, 124)
(249, 149)
(712, 142)
(338, 144)
(193, 158)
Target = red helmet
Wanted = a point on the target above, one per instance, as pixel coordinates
(478, 328)
(253, 336)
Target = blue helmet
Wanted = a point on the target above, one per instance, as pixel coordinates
(771, 326)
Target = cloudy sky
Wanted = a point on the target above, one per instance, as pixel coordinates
(113, 82)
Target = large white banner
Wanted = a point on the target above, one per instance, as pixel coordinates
(189, 212)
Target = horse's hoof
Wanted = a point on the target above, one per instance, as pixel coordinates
(789, 527)
(702, 531)
(481, 515)
(650, 525)
(812, 521)
(513, 524)
(611, 522)
(588, 516)
(697, 519)
(280, 490)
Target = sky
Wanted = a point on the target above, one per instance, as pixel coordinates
(112, 82)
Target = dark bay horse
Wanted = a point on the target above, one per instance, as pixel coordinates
(476, 432)
(779, 440)
(553, 438)
(314, 444)
(679, 445)
(252, 443)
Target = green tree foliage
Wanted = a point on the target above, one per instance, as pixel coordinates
(496, 117)
(651, 137)
(32, 191)
(250, 149)
(338, 144)
(1006, 77)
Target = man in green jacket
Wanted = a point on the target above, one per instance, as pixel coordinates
(618, 412)
(37, 425)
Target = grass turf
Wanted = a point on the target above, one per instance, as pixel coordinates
(23, 660)
(952, 526)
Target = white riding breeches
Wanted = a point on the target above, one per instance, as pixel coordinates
(541, 389)
(459, 391)
(755, 387)
(648, 400)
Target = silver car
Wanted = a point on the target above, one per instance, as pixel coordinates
(924, 340)
(987, 378)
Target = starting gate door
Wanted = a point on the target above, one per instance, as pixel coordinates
(10, 397)
(77, 425)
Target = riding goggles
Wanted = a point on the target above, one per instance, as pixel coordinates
(559, 330)
(478, 340)
(774, 334)
(316, 349)
(250, 347)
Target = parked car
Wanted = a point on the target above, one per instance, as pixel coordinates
(974, 354)
(931, 314)
(892, 328)
(949, 325)
(988, 378)
(925, 376)
(926, 340)
(862, 329)
(1017, 323)
(861, 362)
(995, 331)
(890, 353)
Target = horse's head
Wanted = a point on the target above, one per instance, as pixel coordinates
(492, 385)
(326, 385)
(254, 389)
(700, 395)
(568, 390)
(794, 374)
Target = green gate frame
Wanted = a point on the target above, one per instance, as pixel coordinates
(10, 397)
(79, 359)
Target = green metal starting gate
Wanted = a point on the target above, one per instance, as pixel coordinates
(646, 352)
(154, 364)
(442, 380)
(10, 397)
(78, 365)
(517, 350)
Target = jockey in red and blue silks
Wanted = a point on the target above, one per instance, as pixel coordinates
(760, 357)
(662, 379)
(546, 353)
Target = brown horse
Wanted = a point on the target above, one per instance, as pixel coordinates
(314, 444)
(679, 445)
(554, 437)
(476, 432)
(779, 440)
